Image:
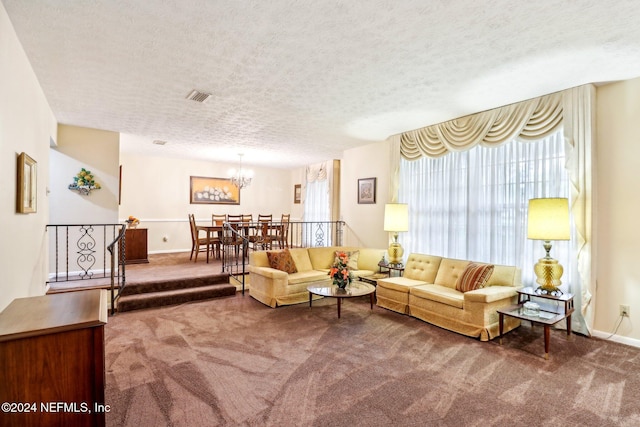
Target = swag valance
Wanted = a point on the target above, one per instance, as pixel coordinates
(529, 120)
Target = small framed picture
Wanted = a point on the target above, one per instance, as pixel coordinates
(26, 195)
(297, 193)
(367, 190)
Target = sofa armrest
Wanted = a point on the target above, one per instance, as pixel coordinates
(490, 294)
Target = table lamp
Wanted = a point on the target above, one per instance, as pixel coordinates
(396, 219)
(548, 220)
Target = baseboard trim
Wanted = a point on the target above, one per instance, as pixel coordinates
(169, 251)
(617, 338)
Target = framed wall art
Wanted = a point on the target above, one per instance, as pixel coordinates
(297, 193)
(367, 190)
(213, 191)
(26, 194)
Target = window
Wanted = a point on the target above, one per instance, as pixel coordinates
(317, 214)
(473, 204)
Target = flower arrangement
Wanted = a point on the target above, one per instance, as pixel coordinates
(132, 222)
(340, 271)
(84, 182)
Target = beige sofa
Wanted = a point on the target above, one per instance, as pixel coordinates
(427, 291)
(275, 287)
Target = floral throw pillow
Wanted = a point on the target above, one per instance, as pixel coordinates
(475, 276)
(282, 260)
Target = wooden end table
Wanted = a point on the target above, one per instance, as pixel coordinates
(354, 289)
(552, 310)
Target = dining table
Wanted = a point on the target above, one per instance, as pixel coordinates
(210, 230)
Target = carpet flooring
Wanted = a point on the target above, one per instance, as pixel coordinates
(170, 279)
(234, 362)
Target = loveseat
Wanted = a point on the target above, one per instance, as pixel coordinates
(427, 291)
(275, 287)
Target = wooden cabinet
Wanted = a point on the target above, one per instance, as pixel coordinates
(136, 246)
(52, 360)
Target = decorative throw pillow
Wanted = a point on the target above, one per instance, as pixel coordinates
(282, 260)
(352, 264)
(474, 277)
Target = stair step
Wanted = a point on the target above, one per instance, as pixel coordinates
(174, 284)
(171, 297)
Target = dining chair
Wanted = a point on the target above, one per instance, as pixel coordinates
(282, 231)
(233, 235)
(198, 243)
(265, 233)
(218, 221)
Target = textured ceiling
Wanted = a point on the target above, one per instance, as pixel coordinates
(298, 81)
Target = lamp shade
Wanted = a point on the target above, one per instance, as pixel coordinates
(396, 217)
(548, 219)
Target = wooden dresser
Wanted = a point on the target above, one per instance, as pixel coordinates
(135, 250)
(52, 360)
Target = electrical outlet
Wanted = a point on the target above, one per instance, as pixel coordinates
(625, 311)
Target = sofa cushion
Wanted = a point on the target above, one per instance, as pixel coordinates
(301, 258)
(504, 275)
(282, 260)
(438, 293)
(401, 284)
(450, 271)
(323, 257)
(422, 267)
(474, 277)
(307, 277)
(369, 259)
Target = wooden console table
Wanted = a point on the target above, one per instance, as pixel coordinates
(52, 353)
(135, 251)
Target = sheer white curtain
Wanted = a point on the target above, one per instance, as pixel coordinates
(317, 206)
(473, 204)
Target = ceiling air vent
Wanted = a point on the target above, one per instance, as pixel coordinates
(199, 96)
(159, 142)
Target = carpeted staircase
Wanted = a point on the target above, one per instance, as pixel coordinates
(162, 292)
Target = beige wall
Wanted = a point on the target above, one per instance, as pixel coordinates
(365, 221)
(97, 151)
(26, 124)
(618, 229)
(156, 190)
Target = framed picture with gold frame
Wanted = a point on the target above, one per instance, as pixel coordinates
(213, 191)
(297, 193)
(26, 194)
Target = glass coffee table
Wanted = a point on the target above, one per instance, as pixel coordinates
(354, 289)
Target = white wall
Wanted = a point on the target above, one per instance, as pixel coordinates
(26, 124)
(156, 190)
(618, 251)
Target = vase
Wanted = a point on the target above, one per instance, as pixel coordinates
(341, 285)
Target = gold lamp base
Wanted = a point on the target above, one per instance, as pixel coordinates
(395, 251)
(548, 273)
